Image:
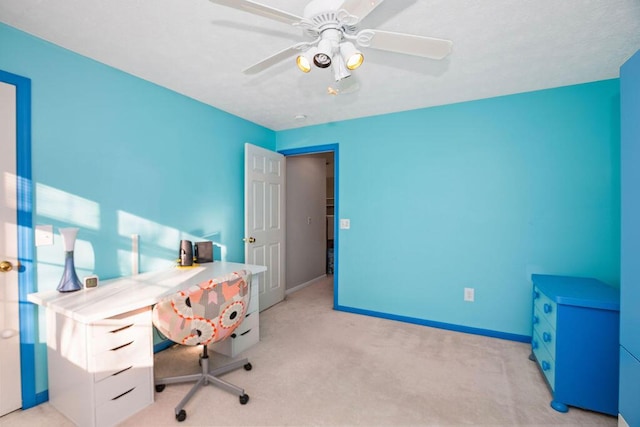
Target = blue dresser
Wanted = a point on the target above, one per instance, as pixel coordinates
(575, 341)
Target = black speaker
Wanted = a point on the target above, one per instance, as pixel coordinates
(204, 252)
(186, 253)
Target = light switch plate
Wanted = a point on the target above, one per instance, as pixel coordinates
(469, 294)
(345, 224)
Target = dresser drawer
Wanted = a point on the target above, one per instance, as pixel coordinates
(122, 406)
(544, 359)
(247, 334)
(120, 382)
(132, 354)
(251, 321)
(545, 332)
(546, 307)
(117, 331)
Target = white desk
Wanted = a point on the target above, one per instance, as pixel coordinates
(99, 341)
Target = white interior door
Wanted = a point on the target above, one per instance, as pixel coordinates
(264, 210)
(10, 387)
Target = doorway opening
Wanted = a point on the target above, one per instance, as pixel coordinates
(311, 212)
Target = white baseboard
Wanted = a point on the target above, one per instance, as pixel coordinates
(304, 285)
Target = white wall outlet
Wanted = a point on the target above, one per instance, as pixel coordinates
(44, 235)
(345, 224)
(469, 294)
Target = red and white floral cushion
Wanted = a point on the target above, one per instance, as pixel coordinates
(204, 313)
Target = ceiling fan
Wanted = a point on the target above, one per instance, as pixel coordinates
(332, 26)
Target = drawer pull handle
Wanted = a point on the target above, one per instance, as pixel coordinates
(245, 332)
(546, 365)
(546, 337)
(247, 315)
(547, 308)
(233, 335)
(534, 344)
(115, 331)
(121, 346)
(126, 392)
(536, 294)
(536, 320)
(124, 370)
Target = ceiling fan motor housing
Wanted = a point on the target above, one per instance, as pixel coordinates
(326, 14)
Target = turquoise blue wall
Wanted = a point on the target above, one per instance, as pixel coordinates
(478, 194)
(116, 155)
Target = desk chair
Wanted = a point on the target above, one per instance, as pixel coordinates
(203, 314)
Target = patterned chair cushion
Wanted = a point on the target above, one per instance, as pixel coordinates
(204, 313)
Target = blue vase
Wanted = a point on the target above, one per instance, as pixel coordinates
(69, 281)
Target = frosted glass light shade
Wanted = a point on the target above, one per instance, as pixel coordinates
(69, 238)
(69, 281)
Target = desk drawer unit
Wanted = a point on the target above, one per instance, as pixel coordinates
(248, 333)
(101, 373)
(575, 341)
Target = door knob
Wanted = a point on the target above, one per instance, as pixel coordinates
(249, 240)
(5, 266)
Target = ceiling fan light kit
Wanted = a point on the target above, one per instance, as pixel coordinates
(333, 26)
(352, 56)
(303, 61)
(323, 58)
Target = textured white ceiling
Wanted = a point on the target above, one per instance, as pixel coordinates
(198, 48)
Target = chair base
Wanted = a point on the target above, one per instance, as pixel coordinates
(206, 377)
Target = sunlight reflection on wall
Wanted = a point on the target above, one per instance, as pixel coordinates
(160, 242)
(66, 207)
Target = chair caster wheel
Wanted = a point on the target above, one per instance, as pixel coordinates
(248, 367)
(182, 415)
(160, 388)
(244, 399)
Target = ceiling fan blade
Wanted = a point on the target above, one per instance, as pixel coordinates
(427, 47)
(275, 58)
(260, 10)
(360, 8)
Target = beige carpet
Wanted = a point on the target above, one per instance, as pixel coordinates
(318, 367)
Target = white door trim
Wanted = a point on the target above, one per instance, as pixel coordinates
(26, 281)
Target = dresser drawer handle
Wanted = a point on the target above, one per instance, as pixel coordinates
(126, 392)
(536, 320)
(121, 346)
(245, 332)
(546, 365)
(536, 294)
(547, 308)
(546, 337)
(534, 344)
(124, 370)
(115, 331)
